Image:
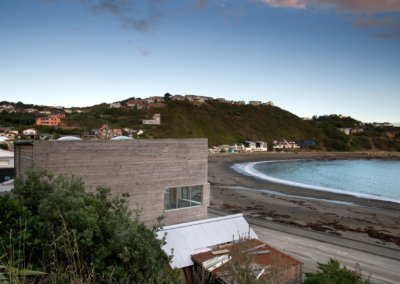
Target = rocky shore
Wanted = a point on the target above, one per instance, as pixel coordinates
(361, 219)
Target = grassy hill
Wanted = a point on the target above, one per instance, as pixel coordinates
(223, 123)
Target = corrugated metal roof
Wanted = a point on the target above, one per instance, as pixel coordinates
(194, 237)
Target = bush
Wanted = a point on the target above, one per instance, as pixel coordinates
(332, 272)
(78, 236)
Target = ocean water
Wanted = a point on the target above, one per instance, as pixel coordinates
(376, 179)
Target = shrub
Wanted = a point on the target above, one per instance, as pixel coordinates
(79, 236)
(333, 272)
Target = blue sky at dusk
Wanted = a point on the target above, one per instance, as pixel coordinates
(310, 57)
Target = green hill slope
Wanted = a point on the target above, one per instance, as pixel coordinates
(222, 123)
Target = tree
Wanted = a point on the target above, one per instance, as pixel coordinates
(167, 96)
(79, 236)
(332, 272)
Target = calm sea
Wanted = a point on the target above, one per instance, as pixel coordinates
(378, 179)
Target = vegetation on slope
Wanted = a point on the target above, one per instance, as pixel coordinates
(51, 224)
(224, 123)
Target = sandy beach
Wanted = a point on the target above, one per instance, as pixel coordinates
(367, 220)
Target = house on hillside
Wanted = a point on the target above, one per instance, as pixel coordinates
(105, 132)
(29, 133)
(115, 105)
(177, 98)
(155, 121)
(162, 176)
(255, 103)
(50, 120)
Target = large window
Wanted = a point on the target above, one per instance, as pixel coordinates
(184, 196)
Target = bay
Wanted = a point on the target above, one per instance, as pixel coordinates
(377, 179)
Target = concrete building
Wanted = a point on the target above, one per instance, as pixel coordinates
(161, 176)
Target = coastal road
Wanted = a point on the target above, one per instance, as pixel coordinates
(312, 247)
(310, 251)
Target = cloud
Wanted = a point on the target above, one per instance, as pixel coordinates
(359, 6)
(387, 27)
(344, 6)
(369, 14)
(137, 15)
(296, 4)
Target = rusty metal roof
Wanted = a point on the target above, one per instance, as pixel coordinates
(194, 237)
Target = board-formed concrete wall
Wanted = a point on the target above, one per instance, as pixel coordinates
(142, 168)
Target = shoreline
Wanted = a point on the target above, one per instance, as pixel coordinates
(371, 220)
(247, 168)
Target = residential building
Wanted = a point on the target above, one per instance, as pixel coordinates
(105, 132)
(261, 146)
(29, 133)
(345, 130)
(161, 176)
(255, 103)
(155, 121)
(249, 146)
(115, 105)
(177, 98)
(50, 120)
(285, 145)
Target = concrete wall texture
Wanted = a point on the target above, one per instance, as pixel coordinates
(142, 168)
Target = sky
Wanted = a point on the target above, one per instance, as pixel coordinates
(310, 57)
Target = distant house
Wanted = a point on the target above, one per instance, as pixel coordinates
(31, 110)
(115, 105)
(285, 145)
(345, 130)
(255, 103)
(135, 103)
(45, 112)
(154, 99)
(249, 146)
(29, 133)
(130, 103)
(199, 99)
(155, 121)
(357, 130)
(231, 149)
(261, 146)
(177, 98)
(50, 120)
(106, 132)
(7, 108)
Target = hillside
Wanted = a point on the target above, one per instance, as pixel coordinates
(222, 123)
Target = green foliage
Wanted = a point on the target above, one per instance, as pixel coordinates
(16, 119)
(333, 273)
(78, 236)
(221, 123)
